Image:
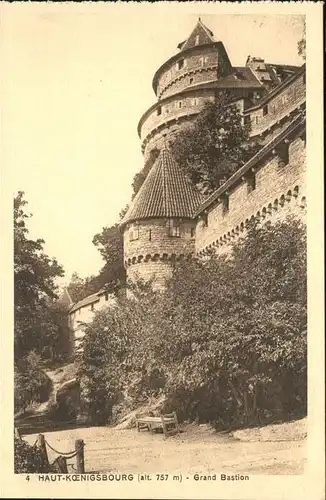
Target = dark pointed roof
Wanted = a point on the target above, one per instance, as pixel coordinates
(166, 192)
(205, 36)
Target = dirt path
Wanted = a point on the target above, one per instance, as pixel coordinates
(197, 450)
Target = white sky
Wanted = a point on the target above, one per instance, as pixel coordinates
(76, 78)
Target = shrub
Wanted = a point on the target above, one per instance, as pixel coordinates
(32, 385)
(225, 342)
(29, 459)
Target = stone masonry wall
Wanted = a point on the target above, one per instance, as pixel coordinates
(203, 61)
(280, 191)
(175, 107)
(155, 251)
(153, 239)
(278, 107)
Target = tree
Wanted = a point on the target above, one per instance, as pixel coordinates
(109, 242)
(34, 285)
(238, 341)
(302, 44)
(140, 177)
(225, 342)
(216, 144)
(31, 382)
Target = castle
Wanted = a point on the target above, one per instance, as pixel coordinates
(169, 219)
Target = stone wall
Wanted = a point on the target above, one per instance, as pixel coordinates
(196, 64)
(174, 108)
(267, 118)
(278, 105)
(154, 251)
(279, 191)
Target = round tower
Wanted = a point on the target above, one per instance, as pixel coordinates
(186, 81)
(159, 228)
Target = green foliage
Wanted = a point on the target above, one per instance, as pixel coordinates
(32, 385)
(226, 341)
(29, 459)
(215, 146)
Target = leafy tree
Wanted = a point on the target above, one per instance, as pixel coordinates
(216, 144)
(240, 350)
(302, 44)
(225, 342)
(79, 288)
(140, 177)
(34, 286)
(110, 245)
(31, 383)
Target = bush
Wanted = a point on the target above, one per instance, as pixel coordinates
(32, 385)
(29, 459)
(225, 342)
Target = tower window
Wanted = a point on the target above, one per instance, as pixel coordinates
(133, 232)
(174, 228)
(159, 110)
(180, 64)
(265, 110)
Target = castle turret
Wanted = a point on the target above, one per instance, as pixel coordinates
(185, 82)
(159, 227)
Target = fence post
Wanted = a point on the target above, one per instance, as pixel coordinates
(79, 448)
(62, 463)
(18, 434)
(42, 446)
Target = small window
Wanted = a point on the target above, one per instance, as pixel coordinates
(192, 232)
(106, 297)
(251, 182)
(180, 64)
(195, 101)
(265, 110)
(150, 235)
(191, 80)
(174, 228)
(197, 40)
(159, 111)
(256, 120)
(133, 232)
(180, 104)
(92, 307)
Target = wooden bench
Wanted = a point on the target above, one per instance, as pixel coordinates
(168, 423)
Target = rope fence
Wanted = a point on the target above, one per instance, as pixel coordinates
(60, 463)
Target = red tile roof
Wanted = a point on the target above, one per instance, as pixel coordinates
(166, 192)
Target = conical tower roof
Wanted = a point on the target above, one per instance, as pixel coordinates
(200, 35)
(166, 192)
